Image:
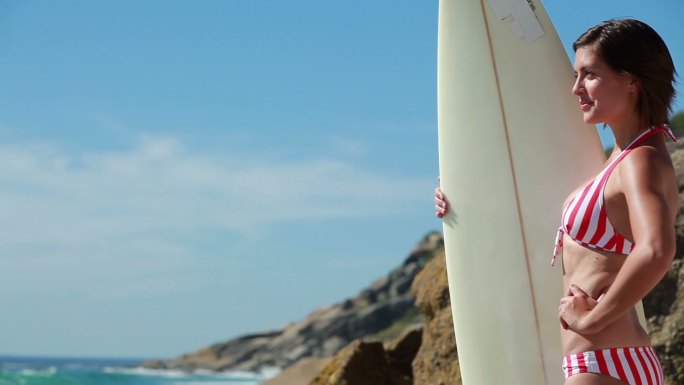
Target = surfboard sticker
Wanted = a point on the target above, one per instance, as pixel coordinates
(524, 23)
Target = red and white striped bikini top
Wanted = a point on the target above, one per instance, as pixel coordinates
(584, 218)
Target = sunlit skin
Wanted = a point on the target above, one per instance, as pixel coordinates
(641, 200)
(604, 95)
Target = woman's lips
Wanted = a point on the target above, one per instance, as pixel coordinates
(586, 105)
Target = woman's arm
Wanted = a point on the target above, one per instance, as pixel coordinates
(645, 178)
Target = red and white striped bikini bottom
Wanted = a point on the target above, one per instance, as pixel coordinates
(633, 366)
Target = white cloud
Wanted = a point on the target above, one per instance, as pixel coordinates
(130, 214)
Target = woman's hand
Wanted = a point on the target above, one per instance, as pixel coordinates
(574, 308)
(441, 205)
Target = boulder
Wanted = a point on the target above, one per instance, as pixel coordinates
(373, 363)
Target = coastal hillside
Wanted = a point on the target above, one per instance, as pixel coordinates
(382, 310)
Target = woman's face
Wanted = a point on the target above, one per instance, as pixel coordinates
(605, 96)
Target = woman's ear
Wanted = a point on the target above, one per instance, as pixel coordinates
(634, 84)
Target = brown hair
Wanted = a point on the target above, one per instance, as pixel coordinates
(632, 47)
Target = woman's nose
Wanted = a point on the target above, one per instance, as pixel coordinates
(577, 87)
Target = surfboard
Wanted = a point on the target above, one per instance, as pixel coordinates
(512, 146)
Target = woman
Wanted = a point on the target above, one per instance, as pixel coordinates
(616, 239)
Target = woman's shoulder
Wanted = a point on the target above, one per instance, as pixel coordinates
(646, 165)
(647, 156)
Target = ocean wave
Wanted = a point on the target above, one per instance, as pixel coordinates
(73, 372)
(54, 377)
(234, 375)
(146, 372)
(47, 372)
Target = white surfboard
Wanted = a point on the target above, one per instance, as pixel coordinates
(512, 146)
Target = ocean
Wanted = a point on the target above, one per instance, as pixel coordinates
(91, 371)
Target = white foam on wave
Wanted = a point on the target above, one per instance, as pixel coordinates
(239, 375)
(47, 372)
(200, 376)
(262, 375)
(270, 372)
(146, 372)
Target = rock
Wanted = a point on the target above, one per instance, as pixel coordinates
(360, 363)
(664, 306)
(373, 363)
(400, 355)
(436, 363)
(431, 287)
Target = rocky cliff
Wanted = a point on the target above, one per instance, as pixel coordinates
(429, 354)
(664, 307)
(383, 310)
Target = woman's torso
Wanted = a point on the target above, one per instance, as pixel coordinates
(594, 269)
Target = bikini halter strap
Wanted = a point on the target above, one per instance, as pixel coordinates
(650, 132)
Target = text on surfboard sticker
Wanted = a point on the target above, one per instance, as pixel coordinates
(525, 23)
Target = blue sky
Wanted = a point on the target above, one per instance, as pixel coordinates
(178, 173)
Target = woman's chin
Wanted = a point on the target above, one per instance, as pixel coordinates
(590, 119)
